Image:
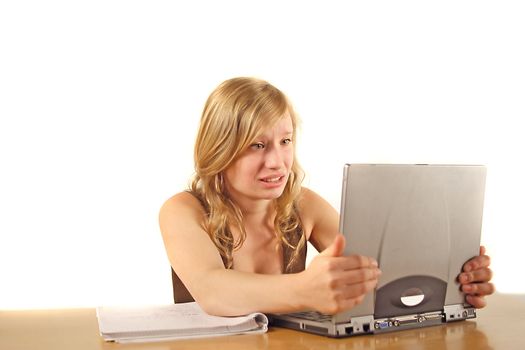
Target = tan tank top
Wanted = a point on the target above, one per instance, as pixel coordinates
(182, 295)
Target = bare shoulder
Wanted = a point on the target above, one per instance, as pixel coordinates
(182, 224)
(183, 203)
(182, 208)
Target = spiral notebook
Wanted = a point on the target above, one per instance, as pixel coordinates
(172, 322)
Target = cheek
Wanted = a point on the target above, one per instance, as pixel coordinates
(242, 168)
(232, 172)
(289, 158)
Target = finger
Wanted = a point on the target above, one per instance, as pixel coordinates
(353, 262)
(482, 250)
(478, 289)
(360, 299)
(350, 303)
(476, 301)
(357, 290)
(359, 276)
(349, 297)
(476, 263)
(336, 248)
(480, 275)
(338, 306)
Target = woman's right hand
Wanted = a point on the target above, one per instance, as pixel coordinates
(336, 283)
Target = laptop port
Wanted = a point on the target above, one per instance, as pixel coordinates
(315, 329)
(382, 325)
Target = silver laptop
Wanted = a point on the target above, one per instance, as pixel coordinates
(421, 223)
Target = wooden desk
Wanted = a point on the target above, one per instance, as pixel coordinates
(500, 326)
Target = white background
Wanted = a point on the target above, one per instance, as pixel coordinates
(100, 101)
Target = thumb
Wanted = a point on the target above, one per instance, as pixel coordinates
(482, 250)
(336, 248)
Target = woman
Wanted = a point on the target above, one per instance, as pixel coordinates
(237, 238)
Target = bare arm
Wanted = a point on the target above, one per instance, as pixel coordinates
(320, 219)
(330, 284)
(198, 263)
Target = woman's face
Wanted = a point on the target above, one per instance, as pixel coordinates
(262, 171)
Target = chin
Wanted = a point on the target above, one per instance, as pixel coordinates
(274, 194)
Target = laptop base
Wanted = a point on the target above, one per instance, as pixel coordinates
(370, 325)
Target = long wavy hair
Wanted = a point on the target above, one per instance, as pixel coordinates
(236, 112)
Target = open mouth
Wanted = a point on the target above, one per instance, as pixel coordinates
(275, 179)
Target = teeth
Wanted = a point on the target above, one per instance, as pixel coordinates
(273, 179)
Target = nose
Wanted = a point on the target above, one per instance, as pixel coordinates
(273, 158)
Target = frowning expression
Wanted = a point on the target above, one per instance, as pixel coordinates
(262, 171)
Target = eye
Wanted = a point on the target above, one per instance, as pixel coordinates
(287, 141)
(258, 145)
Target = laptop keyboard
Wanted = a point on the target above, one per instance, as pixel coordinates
(312, 316)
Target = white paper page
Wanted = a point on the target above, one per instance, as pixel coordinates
(146, 339)
(182, 317)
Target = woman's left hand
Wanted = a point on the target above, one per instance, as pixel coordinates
(475, 279)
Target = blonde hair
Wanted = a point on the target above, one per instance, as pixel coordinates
(236, 112)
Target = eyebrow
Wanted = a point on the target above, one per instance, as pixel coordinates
(284, 133)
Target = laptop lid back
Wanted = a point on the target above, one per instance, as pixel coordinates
(421, 223)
